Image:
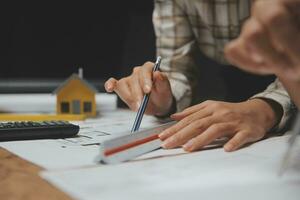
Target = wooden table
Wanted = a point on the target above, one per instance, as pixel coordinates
(19, 180)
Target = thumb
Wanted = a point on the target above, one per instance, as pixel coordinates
(161, 82)
(161, 95)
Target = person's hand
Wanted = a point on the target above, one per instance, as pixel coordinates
(142, 81)
(201, 124)
(270, 40)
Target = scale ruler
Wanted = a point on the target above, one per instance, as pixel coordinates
(127, 147)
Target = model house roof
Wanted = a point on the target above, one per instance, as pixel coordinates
(72, 77)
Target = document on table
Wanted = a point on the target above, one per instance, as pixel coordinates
(46, 103)
(251, 173)
(82, 150)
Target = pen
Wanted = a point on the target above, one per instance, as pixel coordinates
(291, 143)
(142, 109)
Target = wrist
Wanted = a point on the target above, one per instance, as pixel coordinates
(292, 87)
(268, 111)
(172, 108)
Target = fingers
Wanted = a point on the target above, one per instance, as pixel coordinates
(124, 92)
(161, 82)
(269, 42)
(283, 29)
(261, 49)
(216, 120)
(186, 122)
(187, 133)
(132, 89)
(110, 85)
(240, 139)
(161, 98)
(161, 85)
(136, 92)
(212, 133)
(145, 76)
(238, 54)
(180, 115)
(278, 15)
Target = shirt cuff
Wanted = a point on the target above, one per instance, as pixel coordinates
(182, 94)
(285, 102)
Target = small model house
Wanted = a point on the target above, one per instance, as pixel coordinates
(76, 96)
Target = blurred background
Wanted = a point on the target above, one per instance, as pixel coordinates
(43, 43)
(46, 42)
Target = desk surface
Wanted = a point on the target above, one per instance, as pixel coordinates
(19, 180)
(258, 163)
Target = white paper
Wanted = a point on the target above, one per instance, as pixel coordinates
(250, 173)
(46, 103)
(78, 151)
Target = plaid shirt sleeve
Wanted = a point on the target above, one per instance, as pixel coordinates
(278, 93)
(183, 28)
(175, 42)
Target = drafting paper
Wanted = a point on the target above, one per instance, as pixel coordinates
(251, 173)
(78, 151)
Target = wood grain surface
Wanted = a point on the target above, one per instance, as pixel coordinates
(19, 179)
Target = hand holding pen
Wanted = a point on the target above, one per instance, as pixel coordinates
(143, 80)
(144, 104)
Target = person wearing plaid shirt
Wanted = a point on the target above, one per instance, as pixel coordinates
(277, 24)
(183, 28)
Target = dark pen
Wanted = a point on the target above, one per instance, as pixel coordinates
(142, 109)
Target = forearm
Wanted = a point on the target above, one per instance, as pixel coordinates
(175, 43)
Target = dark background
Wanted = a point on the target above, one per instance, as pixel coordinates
(43, 43)
(49, 41)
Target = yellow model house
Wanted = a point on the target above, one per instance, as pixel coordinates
(76, 96)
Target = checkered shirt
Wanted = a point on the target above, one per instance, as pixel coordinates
(183, 27)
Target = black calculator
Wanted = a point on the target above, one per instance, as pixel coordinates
(28, 130)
